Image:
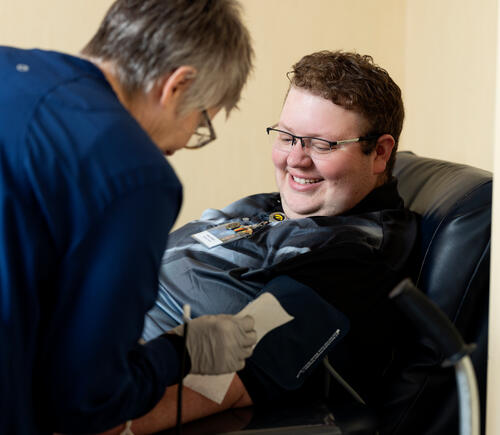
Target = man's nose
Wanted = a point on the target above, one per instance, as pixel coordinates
(298, 155)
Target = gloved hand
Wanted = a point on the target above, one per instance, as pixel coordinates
(218, 344)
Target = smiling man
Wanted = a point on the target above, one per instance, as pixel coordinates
(312, 179)
(337, 225)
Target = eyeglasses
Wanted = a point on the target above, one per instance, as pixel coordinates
(315, 147)
(203, 135)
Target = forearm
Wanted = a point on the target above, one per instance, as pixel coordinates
(194, 406)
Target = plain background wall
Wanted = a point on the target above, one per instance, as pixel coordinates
(449, 83)
(442, 53)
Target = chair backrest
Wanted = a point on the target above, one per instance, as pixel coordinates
(452, 268)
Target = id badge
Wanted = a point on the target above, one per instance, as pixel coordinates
(224, 233)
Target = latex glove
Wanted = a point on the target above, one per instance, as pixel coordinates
(218, 344)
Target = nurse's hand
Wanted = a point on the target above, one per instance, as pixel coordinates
(219, 344)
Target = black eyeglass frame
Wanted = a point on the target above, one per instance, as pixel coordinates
(209, 139)
(331, 144)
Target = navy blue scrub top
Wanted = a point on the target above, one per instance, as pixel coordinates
(86, 203)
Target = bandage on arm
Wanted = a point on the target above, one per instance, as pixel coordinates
(268, 314)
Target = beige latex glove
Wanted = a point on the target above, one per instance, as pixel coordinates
(218, 344)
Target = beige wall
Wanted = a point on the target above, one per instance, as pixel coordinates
(52, 24)
(450, 66)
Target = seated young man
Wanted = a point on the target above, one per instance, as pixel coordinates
(337, 225)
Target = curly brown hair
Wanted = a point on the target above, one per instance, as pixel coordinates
(354, 82)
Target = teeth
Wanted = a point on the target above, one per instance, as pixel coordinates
(306, 180)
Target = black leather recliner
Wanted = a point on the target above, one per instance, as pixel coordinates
(452, 268)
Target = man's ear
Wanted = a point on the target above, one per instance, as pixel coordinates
(383, 150)
(172, 87)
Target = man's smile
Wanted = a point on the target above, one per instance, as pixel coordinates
(306, 180)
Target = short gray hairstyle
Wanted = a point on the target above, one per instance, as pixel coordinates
(146, 39)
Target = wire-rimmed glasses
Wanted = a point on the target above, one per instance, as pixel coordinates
(313, 146)
(204, 133)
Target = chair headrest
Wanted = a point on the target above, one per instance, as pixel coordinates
(454, 202)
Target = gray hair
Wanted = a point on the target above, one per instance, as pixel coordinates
(146, 39)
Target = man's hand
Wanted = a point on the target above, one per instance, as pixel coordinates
(219, 344)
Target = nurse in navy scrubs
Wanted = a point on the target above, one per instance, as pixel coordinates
(87, 199)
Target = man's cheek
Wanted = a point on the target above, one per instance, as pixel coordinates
(279, 159)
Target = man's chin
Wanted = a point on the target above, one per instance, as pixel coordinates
(299, 211)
